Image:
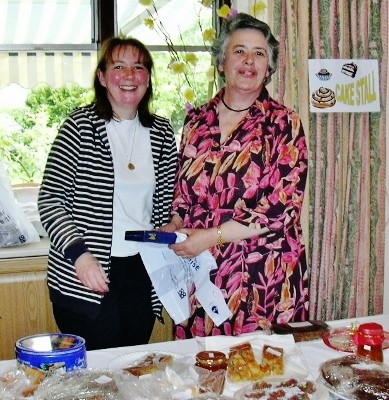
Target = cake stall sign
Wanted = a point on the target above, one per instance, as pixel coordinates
(339, 85)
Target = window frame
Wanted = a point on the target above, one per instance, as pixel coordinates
(99, 28)
(103, 26)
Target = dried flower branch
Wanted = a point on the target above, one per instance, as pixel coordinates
(183, 63)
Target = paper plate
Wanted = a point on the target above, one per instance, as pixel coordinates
(131, 359)
(255, 389)
(341, 339)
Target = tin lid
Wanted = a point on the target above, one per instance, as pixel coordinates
(211, 358)
(371, 334)
(371, 329)
(50, 342)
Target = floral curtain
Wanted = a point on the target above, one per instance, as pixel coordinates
(345, 202)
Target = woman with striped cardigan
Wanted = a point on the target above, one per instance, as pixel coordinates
(110, 169)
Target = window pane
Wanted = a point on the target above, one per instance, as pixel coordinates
(169, 87)
(177, 17)
(47, 59)
(45, 22)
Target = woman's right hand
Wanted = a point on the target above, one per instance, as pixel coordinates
(91, 273)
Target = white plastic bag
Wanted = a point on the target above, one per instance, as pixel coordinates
(15, 227)
(173, 278)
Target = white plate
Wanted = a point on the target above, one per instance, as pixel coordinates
(335, 395)
(320, 394)
(131, 359)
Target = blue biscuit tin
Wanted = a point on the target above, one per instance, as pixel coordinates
(51, 352)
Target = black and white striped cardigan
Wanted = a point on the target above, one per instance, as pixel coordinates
(76, 200)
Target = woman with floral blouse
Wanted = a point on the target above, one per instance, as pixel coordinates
(240, 188)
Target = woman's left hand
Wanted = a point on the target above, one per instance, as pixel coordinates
(198, 240)
(170, 227)
(174, 225)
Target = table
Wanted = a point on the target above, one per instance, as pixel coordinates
(313, 352)
(316, 352)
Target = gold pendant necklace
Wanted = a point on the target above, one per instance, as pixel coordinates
(130, 164)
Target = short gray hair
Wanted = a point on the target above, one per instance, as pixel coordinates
(245, 21)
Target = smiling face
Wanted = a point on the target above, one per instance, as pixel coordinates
(126, 79)
(246, 61)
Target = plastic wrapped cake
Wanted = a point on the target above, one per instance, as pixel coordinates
(355, 378)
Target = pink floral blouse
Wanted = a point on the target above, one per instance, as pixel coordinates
(257, 178)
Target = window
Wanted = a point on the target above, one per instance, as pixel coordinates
(178, 17)
(42, 42)
(48, 52)
(179, 23)
(46, 41)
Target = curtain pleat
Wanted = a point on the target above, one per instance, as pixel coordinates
(345, 199)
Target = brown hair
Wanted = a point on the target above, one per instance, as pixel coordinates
(103, 105)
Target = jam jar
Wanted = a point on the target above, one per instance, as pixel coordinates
(369, 339)
(213, 368)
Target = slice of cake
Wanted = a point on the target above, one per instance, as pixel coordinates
(151, 363)
(243, 366)
(273, 358)
(349, 69)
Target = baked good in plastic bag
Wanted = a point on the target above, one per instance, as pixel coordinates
(149, 364)
(78, 385)
(15, 227)
(17, 384)
(355, 378)
(273, 358)
(178, 380)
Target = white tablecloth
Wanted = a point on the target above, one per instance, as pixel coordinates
(313, 352)
(316, 352)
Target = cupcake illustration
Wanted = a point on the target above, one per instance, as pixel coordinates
(324, 74)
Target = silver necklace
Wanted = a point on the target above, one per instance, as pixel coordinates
(130, 164)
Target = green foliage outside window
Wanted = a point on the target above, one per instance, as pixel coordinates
(24, 148)
(169, 100)
(56, 103)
